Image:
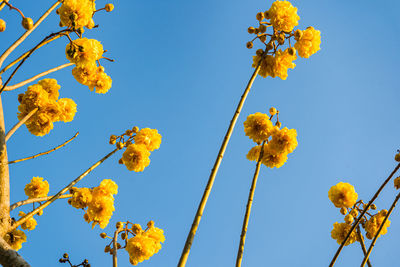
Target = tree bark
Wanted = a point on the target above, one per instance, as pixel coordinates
(9, 257)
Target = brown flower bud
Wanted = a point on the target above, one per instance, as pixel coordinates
(249, 45)
(251, 30)
(262, 28)
(27, 23)
(260, 16)
(103, 235)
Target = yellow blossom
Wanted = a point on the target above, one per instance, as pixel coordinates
(254, 153)
(100, 210)
(374, 223)
(283, 16)
(148, 137)
(84, 51)
(85, 74)
(309, 42)
(258, 127)
(37, 188)
(284, 140)
(144, 245)
(107, 187)
(340, 231)
(136, 157)
(343, 195)
(30, 224)
(51, 87)
(67, 109)
(283, 61)
(272, 159)
(76, 13)
(266, 66)
(2, 25)
(81, 197)
(102, 82)
(15, 239)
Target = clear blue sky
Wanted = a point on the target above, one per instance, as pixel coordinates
(181, 67)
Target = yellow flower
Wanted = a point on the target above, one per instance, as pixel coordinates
(15, 239)
(81, 197)
(258, 127)
(30, 224)
(84, 51)
(283, 61)
(136, 157)
(40, 124)
(148, 137)
(144, 245)
(107, 187)
(85, 74)
(34, 97)
(339, 232)
(374, 223)
(284, 140)
(100, 210)
(283, 16)
(343, 195)
(102, 82)
(254, 153)
(51, 87)
(76, 13)
(67, 109)
(2, 25)
(272, 159)
(266, 67)
(37, 188)
(308, 43)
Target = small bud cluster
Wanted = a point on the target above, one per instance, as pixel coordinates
(65, 258)
(27, 23)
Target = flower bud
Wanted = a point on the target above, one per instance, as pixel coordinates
(263, 38)
(343, 211)
(129, 132)
(103, 235)
(65, 256)
(119, 225)
(120, 161)
(249, 45)
(109, 7)
(136, 229)
(373, 206)
(120, 145)
(150, 224)
(2, 25)
(260, 16)
(135, 129)
(262, 28)
(397, 182)
(81, 30)
(278, 124)
(40, 213)
(118, 246)
(349, 218)
(107, 249)
(298, 34)
(270, 46)
(292, 51)
(354, 213)
(123, 236)
(27, 23)
(272, 111)
(397, 157)
(281, 39)
(251, 30)
(266, 15)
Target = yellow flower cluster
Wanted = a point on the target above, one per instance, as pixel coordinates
(374, 223)
(77, 13)
(15, 239)
(30, 224)
(340, 231)
(136, 156)
(44, 96)
(275, 61)
(37, 188)
(259, 128)
(343, 195)
(99, 202)
(145, 243)
(308, 42)
(84, 53)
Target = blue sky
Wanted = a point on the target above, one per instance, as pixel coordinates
(181, 67)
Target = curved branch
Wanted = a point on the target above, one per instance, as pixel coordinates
(16, 126)
(26, 34)
(34, 200)
(46, 152)
(18, 85)
(3, 3)
(56, 196)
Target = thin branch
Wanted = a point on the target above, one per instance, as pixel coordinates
(361, 240)
(3, 3)
(56, 196)
(46, 152)
(26, 34)
(362, 214)
(115, 248)
(27, 52)
(246, 218)
(16, 126)
(18, 85)
(211, 179)
(379, 230)
(34, 200)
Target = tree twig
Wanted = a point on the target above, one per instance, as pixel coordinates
(217, 163)
(16, 126)
(362, 214)
(26, 34)
(379, 230)
(115, 248)
(56, 196)
(246, 218)
(46, 152)
(18, 85)
(361, 240)
(34, 200)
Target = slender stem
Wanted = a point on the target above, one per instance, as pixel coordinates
(26, 34)
(16, 126)
(379, 230)
(12, 7)
(27, 56)
(18, 85)
(27, 52)
(34, 200)
(57, 196)
(239, 256)
(3, 3)
(4, 178)
(361, 240)
(115, 248)
(207, 190)
(46, 152)
(362, 214)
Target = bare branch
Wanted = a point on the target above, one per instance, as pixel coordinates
(26, 34)
(46, 152)
(18, 85)
(34, 200)
(16, 126)
(9, 257)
